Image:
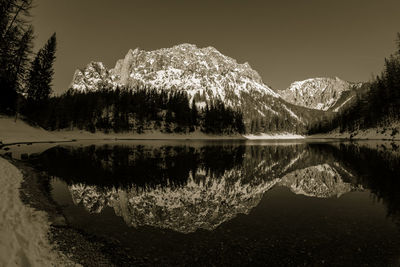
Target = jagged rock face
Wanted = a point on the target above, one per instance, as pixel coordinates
(93, 76)
(317, 93)
(188, 67)
(203, 73)
(181, 67)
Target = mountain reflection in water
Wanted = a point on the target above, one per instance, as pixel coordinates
(188, 187)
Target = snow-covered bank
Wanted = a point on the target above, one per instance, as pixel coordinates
(16, 131)
(265, 136)
(12, 131)
(23, 230)
(149, 135)
(390, 132)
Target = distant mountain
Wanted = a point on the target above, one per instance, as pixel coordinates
(320, 93)
(204, 74)
(93, 76)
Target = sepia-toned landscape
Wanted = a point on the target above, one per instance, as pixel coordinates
(225, 133)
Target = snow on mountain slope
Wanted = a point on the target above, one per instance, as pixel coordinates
(197, 70)
(203, 73)
(317, 93)
(93, 76)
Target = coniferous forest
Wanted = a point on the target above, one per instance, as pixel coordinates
(16, 42)
(133, 110)
(377, 103)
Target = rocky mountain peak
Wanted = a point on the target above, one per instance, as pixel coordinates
(90, 77)
(317, 93)
(185, 66)
(205, 74)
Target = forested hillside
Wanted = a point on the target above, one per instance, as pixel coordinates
(133, 110)
(376, 104)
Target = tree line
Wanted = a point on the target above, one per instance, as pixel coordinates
(138, 165)
(133, 110)
(376, 104)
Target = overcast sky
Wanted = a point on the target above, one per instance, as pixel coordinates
(283, 40)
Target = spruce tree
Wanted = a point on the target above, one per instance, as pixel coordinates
(195, 113)
(41, 73)
(16, 36)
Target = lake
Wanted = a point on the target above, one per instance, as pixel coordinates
(233, 202)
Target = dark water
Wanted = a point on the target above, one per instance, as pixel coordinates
(234, 203)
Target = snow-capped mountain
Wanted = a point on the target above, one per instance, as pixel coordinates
(318, 93)
(203, 73)
(94, 76)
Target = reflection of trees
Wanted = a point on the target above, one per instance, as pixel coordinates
(210, 195)
(124, 166)
(237, 174)
(177, 187)
(375, 168)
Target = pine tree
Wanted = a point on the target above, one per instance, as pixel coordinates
(168, 121)
(41, 73)
(16, 36)
(194, 113)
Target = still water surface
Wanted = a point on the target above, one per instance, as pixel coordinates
(234, 203)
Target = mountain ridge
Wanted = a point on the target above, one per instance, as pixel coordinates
(320, 93)
(205, 74)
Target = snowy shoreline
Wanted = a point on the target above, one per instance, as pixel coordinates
(18, 132)
(34, 232)
(391, 133)
(23, 230)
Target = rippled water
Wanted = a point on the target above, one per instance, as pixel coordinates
(234, 203)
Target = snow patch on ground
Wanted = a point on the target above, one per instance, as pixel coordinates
(265, 136)
(292, 113)
(19, 131)
(14, 131)
(389, 132)
(339, 107)
(23, 230)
